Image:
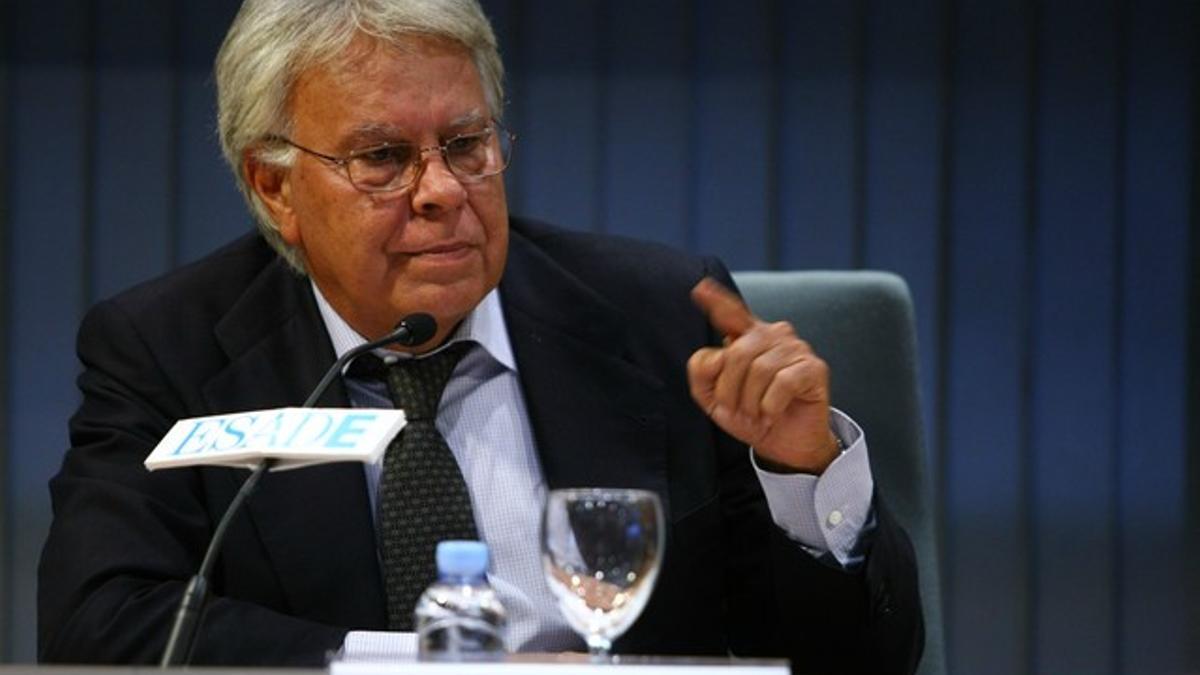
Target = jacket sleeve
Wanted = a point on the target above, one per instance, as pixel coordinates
(124, 541)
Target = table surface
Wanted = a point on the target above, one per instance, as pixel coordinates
(515, 663)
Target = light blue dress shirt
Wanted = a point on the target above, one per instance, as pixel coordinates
(483, 417)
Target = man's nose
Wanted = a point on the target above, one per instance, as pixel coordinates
(436, 188)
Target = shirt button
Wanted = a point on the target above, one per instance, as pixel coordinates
(835, 518)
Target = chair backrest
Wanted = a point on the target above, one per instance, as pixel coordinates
(861, 323)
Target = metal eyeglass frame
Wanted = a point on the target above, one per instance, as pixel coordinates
(343, 162)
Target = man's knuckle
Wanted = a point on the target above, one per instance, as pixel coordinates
(781, 329)
(764, 366)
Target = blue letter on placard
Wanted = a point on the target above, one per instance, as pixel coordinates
(198, 438)
(313, 432)
(235, 431)
(351, 426)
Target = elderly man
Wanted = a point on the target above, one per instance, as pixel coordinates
(366, 136)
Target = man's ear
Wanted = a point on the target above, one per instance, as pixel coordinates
(273, 186)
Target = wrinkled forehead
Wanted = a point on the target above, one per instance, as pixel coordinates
(366, 54)
(365, 70)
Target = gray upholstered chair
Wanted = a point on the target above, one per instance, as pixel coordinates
(861, 323)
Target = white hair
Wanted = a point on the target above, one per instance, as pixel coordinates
(271, 42)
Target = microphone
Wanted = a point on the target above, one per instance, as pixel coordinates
(413, 330)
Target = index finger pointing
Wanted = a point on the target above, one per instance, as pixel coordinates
(726, 311)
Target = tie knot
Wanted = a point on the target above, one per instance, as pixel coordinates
(415, 385)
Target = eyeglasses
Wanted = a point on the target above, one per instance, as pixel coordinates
(397, 166)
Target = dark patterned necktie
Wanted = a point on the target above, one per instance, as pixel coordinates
(423, 498)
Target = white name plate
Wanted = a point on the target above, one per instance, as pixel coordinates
(293, 437)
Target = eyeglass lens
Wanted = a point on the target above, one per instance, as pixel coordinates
(469, 156)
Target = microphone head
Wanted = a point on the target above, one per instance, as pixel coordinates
(416, 329)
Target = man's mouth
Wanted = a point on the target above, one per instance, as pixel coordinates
(448, 252)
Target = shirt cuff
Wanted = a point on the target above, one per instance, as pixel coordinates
(826, 513)
(377, 645)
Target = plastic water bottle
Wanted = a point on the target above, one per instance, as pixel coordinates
(459, 617)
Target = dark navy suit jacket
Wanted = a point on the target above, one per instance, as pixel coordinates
(602, 328)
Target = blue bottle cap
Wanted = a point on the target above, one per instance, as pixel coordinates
(462, 558)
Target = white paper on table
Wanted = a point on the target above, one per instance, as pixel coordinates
(551, 665)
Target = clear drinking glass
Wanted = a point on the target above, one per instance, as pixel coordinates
(601, 550)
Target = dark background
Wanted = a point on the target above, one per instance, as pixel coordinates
(1028, 167)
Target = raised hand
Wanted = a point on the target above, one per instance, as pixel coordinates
(764, 386)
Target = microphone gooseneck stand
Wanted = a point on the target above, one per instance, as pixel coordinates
(413, 330)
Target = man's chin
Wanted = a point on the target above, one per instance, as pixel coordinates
(448, 304)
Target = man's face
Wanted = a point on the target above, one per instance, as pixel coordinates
(437, 247)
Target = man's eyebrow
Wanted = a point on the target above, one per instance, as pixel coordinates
(373, 133)
(379, 133)
(469, 119)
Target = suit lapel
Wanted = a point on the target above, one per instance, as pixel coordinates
(308, 519)
(596, 414)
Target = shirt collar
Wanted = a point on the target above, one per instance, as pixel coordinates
(485, 325)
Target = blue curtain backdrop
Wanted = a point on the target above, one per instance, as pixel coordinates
(1029, 168)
